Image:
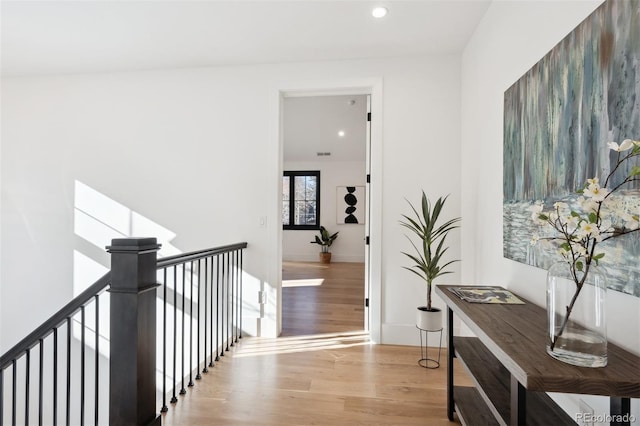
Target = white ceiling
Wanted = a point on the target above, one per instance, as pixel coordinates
(43, 37)
(311, 125)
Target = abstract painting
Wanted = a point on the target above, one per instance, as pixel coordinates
(558, 119)
(350, 205)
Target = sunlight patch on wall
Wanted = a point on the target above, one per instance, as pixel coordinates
(98, 219)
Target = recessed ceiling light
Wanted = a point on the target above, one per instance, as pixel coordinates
(341, 133)
(379, 12)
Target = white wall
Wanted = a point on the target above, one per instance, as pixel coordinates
(195, 151)
(349, 246)
(511, 38)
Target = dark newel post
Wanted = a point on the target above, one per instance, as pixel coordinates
(132, 377)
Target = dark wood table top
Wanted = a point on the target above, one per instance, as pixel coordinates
(516, 335)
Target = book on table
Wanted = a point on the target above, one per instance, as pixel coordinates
(486, 294)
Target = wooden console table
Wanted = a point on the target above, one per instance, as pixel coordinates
(512, 370)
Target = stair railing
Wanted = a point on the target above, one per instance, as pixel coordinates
(201, 298)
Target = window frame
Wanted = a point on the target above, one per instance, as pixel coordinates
(292, 175)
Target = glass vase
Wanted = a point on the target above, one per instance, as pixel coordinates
(576, 320)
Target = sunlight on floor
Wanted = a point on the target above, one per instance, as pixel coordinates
(309, 282)
(317, 342)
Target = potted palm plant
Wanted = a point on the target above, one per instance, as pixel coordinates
(325, 240)
(428, 253)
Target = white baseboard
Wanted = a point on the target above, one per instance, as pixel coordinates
(315, 258)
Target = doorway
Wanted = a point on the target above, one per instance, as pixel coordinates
(328, 137)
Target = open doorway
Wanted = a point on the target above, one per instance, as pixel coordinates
(325, 160)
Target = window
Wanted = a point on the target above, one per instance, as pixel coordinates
(301, 200)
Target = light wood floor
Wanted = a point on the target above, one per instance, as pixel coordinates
(318, 298)
(324, 377)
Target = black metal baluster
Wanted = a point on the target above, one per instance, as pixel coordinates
(55, 376)
(175, 329)
(191, 327)
(40, 383)
(184, 272)
(14, 394)
(232, 300)
(212, 322)
(222, 306)
(97, 370)
(82, 367)
(164, 408)
(68, 401)
(198, 376)
(206, 279)
(237, 299)
(218, 272)
(241, 295)
(1, 397)
(227, 302)
(26, 386)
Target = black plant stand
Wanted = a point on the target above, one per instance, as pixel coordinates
(424, 360)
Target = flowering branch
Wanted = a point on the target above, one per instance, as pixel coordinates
(579, 234)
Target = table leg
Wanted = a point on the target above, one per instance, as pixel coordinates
(518, 403)
(450, 356)
(620, 409)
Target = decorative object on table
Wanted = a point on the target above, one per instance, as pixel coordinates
(350, 205)
(325, 240)
(486, 294)
(428, 258)
(556, 117)
(576, 310)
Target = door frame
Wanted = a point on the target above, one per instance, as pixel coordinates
(372, 87)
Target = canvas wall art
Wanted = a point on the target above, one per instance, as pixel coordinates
(350, 205)
(558, 119)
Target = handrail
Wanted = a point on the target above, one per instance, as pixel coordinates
(70, 308)
(133, 271)
(55, 320)
(193, 255)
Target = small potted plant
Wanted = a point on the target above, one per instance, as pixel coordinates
(325, 240)
(428, 257)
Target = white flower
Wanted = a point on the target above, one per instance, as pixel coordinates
(535, 210)
(534, 239)
(571, 222)
(594, 181)
(595, 192)
(559, 205)
(564, 252)
(626, 145)
(587, 230)
(605, 226)
(630, 221)
(581, 250)
(588, 205)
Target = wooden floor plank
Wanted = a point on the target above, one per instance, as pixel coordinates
(334, 377)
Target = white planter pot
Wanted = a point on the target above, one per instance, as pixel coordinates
(429, 320)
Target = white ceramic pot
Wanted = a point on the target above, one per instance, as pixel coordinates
(429, 320)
